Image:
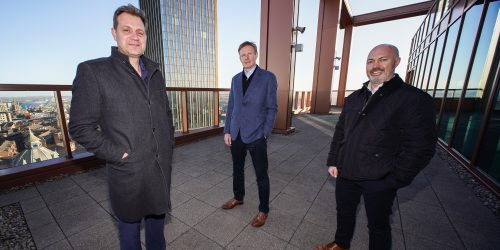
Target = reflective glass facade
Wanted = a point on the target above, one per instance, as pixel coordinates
(455, 58)
(182, 36)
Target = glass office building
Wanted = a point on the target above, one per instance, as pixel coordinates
(455, 58)
(182, 37)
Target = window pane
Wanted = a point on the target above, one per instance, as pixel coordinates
(443, 75)
(435, 65)
(478, 91)
(460, 65)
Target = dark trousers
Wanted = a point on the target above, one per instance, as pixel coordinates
(378, 199)
(258, 152)
(129, 233)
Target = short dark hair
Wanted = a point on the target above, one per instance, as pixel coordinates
(247, 43)
(130, 9)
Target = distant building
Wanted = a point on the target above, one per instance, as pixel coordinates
(3, 107)
(34, 152)
(8, 149)
(182, 37)
(5, 116)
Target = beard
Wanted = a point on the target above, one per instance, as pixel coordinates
(384, 77)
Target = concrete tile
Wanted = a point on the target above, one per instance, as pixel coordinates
(60, 245)
(62, 194)
(194, 187)
(32, 204)
(83, 219)
(100, 193)
(99, 236)
(213, 177)
(301, 191)
(179, 178)
(252, 238)
(194, 240)
(220, 227)
(95, 183)
(192, 212)
(71, 205)
(19, 195)
(193, 170)
(39, 218)
(308, 235)
(281, 224)
(322, 214)
(436, 225)
(178, 198)
(291, 204)
(415, 242)
(106, 205)
(216, 196)
(55, 185)
(47, 235)
(174, 228)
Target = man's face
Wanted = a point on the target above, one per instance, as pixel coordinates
(130, 35)
(248, 57)
(381, 64)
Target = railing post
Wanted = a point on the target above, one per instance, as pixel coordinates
(62, 120)
(308, 101)
(216, 108)
(296, 102)
(302, 100)
(184, 108)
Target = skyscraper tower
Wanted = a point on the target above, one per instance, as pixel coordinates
(182, 37)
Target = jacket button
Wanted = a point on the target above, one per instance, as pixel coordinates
(157, 155)
(154, 129)
(377, 155)
(363, 114)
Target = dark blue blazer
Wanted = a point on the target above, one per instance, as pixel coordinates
(252, 114)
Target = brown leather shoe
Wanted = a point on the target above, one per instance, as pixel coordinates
(330, 246)
(231, 204)
(259, 220)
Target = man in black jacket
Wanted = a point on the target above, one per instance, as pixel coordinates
(120, 112)
(384, 137)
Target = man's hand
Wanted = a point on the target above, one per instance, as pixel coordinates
(333, 171)
(227, 139)
(124, 155)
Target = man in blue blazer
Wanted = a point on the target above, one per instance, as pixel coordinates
(251, 110)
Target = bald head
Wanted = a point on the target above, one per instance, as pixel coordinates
(382, 62)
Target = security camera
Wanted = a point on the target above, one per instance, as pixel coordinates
(299, 29)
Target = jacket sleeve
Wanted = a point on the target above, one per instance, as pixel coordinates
(85, 117)
(338, 137)
(229, 112)
(418, 141)
(271, 105)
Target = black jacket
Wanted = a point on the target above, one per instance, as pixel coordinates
(112, 112)
(391, 136)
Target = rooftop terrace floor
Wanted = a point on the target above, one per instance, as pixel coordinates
(437, 211)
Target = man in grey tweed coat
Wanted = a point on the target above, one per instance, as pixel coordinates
(120, 112)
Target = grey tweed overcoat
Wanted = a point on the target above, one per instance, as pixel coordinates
(112, 112)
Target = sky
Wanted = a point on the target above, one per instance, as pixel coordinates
(42, 42)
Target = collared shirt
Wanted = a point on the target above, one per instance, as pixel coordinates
(249, 72)
(144, 72)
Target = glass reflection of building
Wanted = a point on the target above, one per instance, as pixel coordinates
(182, 38)
(455, 58)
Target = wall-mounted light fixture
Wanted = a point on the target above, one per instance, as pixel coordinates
(299, 29)
(298, 47)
